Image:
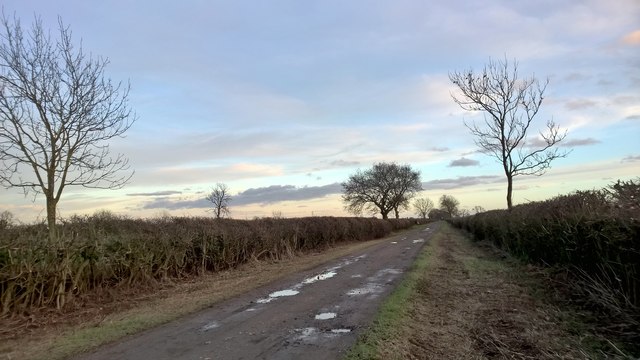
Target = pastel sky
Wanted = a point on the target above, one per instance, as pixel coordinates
(283, 100)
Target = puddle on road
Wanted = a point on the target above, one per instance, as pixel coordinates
(277, 294)
(323, 276)
(418, 241)
(326, 316)
(371, 288)
(312, 335)
(210, 326)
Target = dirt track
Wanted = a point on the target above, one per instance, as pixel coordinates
(317, 314)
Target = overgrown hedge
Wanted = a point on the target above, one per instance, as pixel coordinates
(595, 233)
(105, 251)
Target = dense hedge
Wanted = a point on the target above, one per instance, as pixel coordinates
(104, 250)
(594, 233)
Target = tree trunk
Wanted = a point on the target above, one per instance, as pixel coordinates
(51, 216)
(397, 213)
(385, 215)
(509, 191)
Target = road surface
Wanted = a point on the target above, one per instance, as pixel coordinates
(317, 314)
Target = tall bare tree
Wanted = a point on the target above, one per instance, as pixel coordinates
(219, 197)
(57, 112)
(449, 204)
(510, 104)
(383, 188)
(422, 206)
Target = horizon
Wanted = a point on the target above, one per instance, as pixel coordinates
(283, 102)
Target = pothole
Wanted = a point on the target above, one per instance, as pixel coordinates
(326, 316)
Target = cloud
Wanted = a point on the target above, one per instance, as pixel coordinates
(632, 38)
(461, 181)
(580, 142)
(578, 104)
(633, 117)
(539, 143)
(631, 158)
(342, 163)
(439, 148)
(157, 193)
(176, 204)
(462, 162)
(276, 193)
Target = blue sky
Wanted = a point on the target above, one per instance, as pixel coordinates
(283, 100)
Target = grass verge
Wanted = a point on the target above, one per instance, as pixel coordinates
(465, 300)
(387, 329)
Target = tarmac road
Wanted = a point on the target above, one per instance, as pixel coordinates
(317, 314)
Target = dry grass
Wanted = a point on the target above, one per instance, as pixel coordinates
(55, 335)
(469, 303)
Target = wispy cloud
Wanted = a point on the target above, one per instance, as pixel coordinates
(580, 104)
(461, 181)
(343, 163)
(277, 193)
(463, 162)
(632, 38)
(157, 193)
(580, 142)
(631, 158)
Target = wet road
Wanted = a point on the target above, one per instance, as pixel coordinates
(316, 314)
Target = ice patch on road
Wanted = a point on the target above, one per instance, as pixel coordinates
(340, 331)
(319, 277)
(326, 316)
(418, 241)
(210, 326)
(367, 289)
(394, 242)
(277, 294)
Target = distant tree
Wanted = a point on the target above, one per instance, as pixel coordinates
(437, 214)
(422, 206)
(383, 188)
(57, 112)
(510, 104)
(449, 204)
(6, 219)
(219, 198)
(478, 209)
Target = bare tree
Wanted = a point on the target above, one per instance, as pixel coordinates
(422, 206)
(478, 209)
(510, 104)
(383, 188)
(57, 112)
(449, 204)
(220, 198)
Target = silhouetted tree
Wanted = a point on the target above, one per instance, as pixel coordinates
(57, 112)
(383, 188)
(219, 198)
(449, 204)
(510, 104)
(422, 206)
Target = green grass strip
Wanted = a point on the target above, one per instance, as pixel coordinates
(387, 326)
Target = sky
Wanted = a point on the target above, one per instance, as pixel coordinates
(284, 100)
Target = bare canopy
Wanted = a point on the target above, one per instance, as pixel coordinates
(219, 198)
(383, 188)
(57, 112)
(510, 104)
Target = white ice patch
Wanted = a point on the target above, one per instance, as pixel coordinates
(394, 242)
(210, 326)
(323, 276)
(277, 294)
(365, 290)
(340, 331)
(325, 316)
(418, 241)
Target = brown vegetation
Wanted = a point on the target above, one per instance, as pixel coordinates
(104, 251)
